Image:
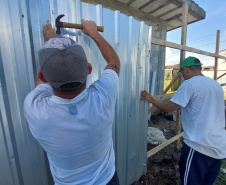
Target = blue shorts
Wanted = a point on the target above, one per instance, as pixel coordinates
(114, 180)
(196, 168)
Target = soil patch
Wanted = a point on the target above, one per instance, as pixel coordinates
(162, 168)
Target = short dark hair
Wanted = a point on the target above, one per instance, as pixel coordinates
(194, 68)
(65, 89)
(71, 86)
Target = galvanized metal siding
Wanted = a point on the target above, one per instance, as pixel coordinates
(8, 170)
(21, 38)
(26, 157)
(158, 59)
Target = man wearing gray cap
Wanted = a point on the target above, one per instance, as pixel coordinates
(73, 123)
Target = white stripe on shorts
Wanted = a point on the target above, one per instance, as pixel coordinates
(188, 164)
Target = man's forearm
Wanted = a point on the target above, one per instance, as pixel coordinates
(109, 54)
(159, 105)
(165, 107)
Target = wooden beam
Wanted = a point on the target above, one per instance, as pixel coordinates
(182, 57)
(130, 11)
(217, 52)
(146, 4)
(171, 14)
(163, 145)
(178, 19)
(212, 70)
(174, 17)
(184, 28)
(178, 127)
(167, 12)
(154, 5)
(162, 6)
(130, 2)
(167, 88)
(185, 48)
(221, 76)
(177, 3)
(196, 15)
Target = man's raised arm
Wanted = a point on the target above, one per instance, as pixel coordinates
(109, 54)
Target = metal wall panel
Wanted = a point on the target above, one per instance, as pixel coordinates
(15, 52)
(8, 170)
(158, 59)
(21, 38)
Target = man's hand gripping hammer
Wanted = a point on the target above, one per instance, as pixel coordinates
(60, 24)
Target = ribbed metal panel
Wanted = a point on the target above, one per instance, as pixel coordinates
(8, 171)
(22, 159)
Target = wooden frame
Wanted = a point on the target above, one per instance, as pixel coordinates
(221, 76)
(163, 145)
(217, 51)
(160, 42)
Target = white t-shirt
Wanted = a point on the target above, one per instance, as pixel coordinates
(76, 133)
(203, 115)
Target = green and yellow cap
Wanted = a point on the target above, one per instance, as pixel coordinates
(190, 61)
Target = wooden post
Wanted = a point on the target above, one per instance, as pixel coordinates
(184, 29)
(217, 52)
(178, 128)
(182, 57)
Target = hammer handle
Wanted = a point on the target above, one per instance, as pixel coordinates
(79, 26)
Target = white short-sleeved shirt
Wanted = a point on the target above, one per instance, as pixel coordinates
(76, 133)
(203, 115)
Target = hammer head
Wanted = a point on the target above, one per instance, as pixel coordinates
(59, 24)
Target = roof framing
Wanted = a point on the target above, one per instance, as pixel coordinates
(167, 13)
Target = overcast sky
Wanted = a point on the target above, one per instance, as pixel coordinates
(202, 34)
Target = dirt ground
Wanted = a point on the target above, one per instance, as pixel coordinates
(162, 167)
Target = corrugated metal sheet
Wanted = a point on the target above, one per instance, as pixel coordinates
(22, 159)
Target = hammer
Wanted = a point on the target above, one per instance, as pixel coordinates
(60, 24)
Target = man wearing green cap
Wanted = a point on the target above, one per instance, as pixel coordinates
(203, 118)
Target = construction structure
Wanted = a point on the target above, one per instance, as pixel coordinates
(136, 30)
(221, 77)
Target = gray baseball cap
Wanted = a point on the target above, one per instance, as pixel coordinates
(63, 63)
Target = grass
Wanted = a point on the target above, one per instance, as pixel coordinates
(221, 178)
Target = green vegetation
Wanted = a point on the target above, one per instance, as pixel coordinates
(221, 178)
(224, 164)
